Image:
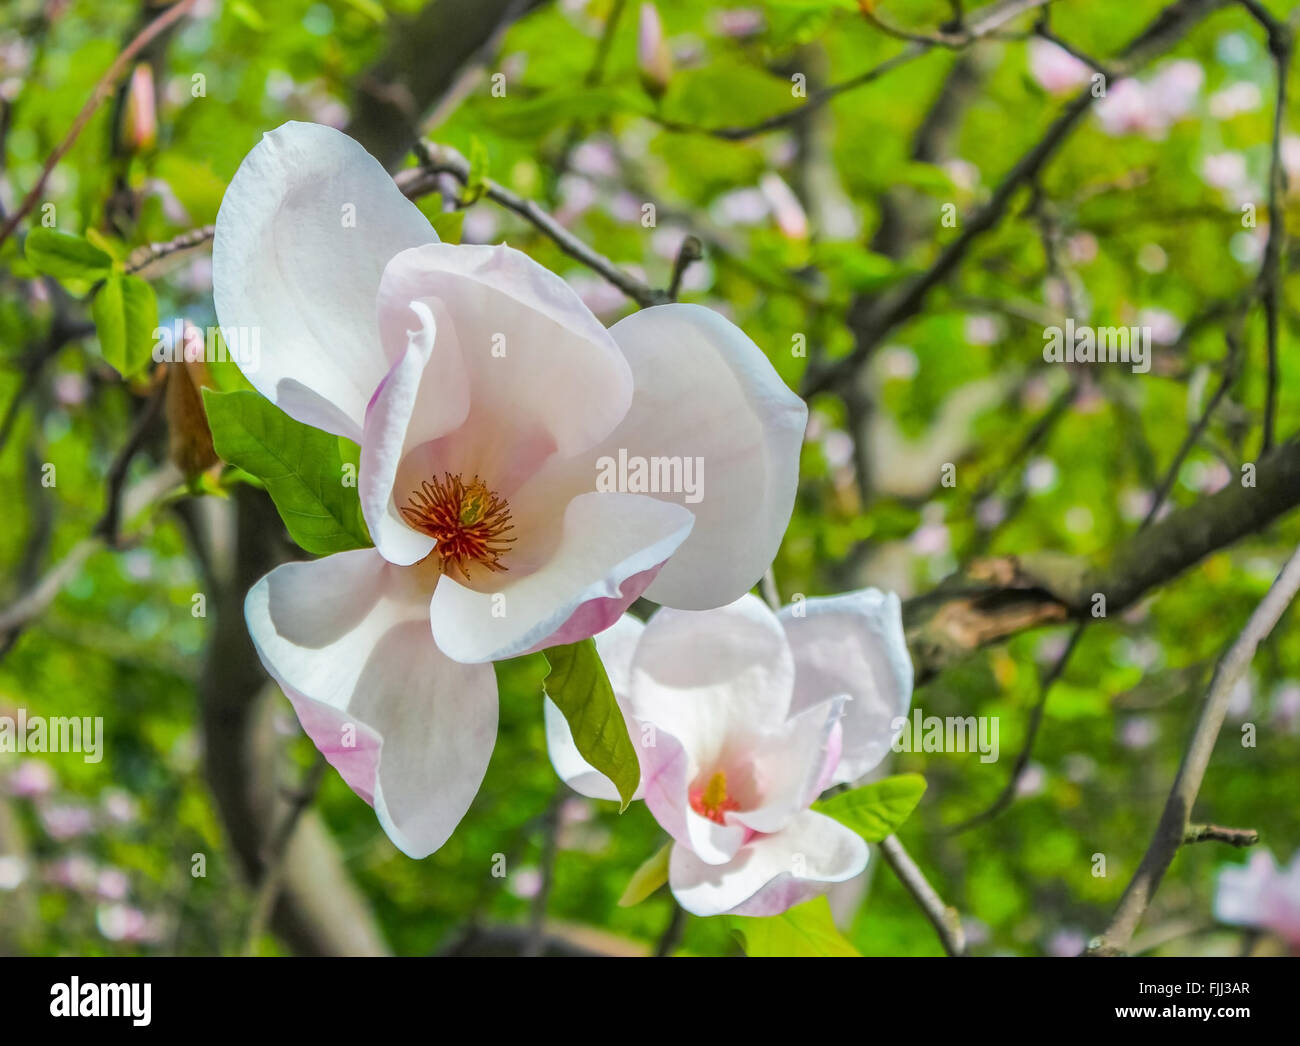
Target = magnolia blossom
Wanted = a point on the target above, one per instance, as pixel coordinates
(1055, 69)
(654, 60)
(483, 394)
(1263, 895)
(1153, 106)
(741, 718)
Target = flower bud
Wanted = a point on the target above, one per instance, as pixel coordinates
(654, 62)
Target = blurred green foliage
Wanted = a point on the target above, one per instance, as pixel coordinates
(1142, 230)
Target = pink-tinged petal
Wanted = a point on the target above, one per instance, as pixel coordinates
(711, 678)
(425, 395)
(411, 731)
(304, 232)
(704, 391)
(615, 646)
(770, 873)
(541, 369)
(667, 773)
(606, 550)
(853, 644)
(790, 763)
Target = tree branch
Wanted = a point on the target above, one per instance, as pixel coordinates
(945, 920)
(441, 159)
(1173, 828)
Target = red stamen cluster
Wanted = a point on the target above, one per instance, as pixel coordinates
(468, 522)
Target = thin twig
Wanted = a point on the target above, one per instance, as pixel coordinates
(989, 20)
(1268, 284)
(1200, 833)
(103, 90)
(1171, 833)
(672, 933)
(142, 257)
(875, 322)
(691, 251)
(945, 920)
(441, 159)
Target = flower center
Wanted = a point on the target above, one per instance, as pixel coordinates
(713, 802)
(469, 522)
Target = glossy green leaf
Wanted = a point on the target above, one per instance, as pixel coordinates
(302, 468)
(876, 810)
(578, 685)
(126, 319)
(804, 931)
(64, 256)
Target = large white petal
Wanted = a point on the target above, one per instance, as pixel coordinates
(423, 396)
(853, 644)
(770, 873)
(410, 730)
(608, 548)
(713, 679)
(793, 764)
(542, 370)
(304, 232)
(703, 390)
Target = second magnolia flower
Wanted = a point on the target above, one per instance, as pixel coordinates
(482, 393)
(741, 719)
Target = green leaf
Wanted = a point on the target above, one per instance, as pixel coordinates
(876, 810)
(578, 685)
(66, 257)
(449, 225)
(125, 312)
(476, 182)
(533, 117)
(806, 930)
(652, 874)
(302, 468)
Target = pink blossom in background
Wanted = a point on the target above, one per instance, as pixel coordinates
(1054, 68)
(31, 779)
(1262, 895)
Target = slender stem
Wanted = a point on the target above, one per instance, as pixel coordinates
(945, 920)
(1172, 831)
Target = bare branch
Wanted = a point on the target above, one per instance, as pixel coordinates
(988, 20)
(1199, 833)
(1173, 828)
(945, 920)
(441, 159)
(142, 258)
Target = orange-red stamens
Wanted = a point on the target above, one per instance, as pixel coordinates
(468, 522)
(712, 801)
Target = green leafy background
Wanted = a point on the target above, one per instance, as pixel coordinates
(121, 640)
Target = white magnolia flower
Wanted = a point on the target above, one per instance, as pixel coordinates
(1262, 895)
(741, 719)
(483, 394)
